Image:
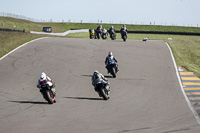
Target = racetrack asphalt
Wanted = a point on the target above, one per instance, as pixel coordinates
(145, 97)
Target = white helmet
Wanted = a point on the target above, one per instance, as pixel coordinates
(43, 76)
(95, 72)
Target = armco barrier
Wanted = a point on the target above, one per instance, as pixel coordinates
(13, 30)
(162, 32)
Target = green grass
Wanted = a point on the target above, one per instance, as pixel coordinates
(186, 49)
(11, 40)
(19, 24)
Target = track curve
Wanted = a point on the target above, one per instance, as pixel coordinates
(145, 96)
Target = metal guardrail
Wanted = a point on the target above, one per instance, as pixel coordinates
(4, 14)
(162, 32)
(13, 30)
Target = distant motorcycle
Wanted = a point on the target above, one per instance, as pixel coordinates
(98, 33)
(124, 35)
(47, 93)
(113, 35)
(103, 90)
(112, 69)
(104, 34)
(91, 34)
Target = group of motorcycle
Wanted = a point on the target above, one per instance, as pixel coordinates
(103, 90)
(50, 95)
(97, 34)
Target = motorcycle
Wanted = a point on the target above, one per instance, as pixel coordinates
(47, 93)
(91, 34)
(124, 35)
(113, 35)
(103, 90)
(112, 69)
(104, 34)
(98, 34)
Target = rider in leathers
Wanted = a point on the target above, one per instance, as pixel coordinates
(123, 29)
(100, 27)
(98, 30)
(45, 79)
(98, 77)
(110, 30)
(110, 59)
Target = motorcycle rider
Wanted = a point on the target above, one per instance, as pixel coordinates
(109, 59)
(45, 79)
(98, 77)
(123, 29)
(110, 30)
(100, 27)
(105, 31)
(98, 30)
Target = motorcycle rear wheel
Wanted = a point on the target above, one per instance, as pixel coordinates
(124, 38)
(50, 98)
(113, 73)
(104, 94)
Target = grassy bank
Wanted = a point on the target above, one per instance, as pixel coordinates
(11, 40)
(18, 24)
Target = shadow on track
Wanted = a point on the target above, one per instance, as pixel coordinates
(84, 98)
(87, 75)
(91, 76)
(108, 76)
(32, 102)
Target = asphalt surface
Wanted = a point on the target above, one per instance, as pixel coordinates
(145, 97)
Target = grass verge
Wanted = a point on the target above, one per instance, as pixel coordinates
(11, 40)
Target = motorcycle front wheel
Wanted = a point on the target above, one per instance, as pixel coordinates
(124, 38)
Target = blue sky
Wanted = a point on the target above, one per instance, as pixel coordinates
(165, 12)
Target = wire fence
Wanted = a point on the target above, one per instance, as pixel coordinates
(4, 14)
